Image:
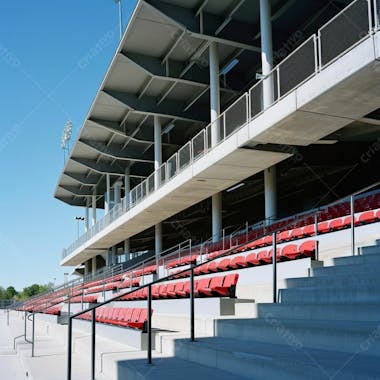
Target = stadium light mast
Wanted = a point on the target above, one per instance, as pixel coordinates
(120, 17)
(66, 137)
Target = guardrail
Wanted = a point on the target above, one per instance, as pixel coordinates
(343, 32)
(190, 272)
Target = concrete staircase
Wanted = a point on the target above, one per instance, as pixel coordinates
(326, 327)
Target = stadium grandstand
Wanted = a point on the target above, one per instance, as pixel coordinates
(228, 173)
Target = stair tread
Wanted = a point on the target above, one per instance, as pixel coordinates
(291, 356)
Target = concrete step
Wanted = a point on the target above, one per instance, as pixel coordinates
(347, 312)
(357, 260)
(316, 295)
(342, 336)
(339, 281)
(352, 269)
(267, 361)
(370, 250)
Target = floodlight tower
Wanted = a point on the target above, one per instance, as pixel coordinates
(120, 17)
(66, 137)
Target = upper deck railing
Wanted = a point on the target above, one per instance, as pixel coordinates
(348, 28)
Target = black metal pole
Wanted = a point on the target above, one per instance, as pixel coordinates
(192, 333)
(352, 202)
(149, 324)
(274, 261)
(93, 343)
(7, 317)
(33, 334)
(69, 348)
(25, 325)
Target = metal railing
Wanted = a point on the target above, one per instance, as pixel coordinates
(190, 272)
(343, 32)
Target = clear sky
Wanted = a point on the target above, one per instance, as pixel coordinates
(53, 56)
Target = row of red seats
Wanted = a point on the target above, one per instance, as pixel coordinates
(217, 286)
(54, 310)
(288, 252)
(125, 317)
(144, 271)
(184, 260)
(86, 299)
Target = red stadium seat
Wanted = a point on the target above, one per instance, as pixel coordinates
(284, 236)
(297, 233)
(223, 264)
(308, 248)
(290, 251)
(228, 287)
(309, 230)
(336, 224)
(252, 260)
(206, 287)
(238, 262)
(323, 227)
(367, 217)
(212, 267)
(264, 257)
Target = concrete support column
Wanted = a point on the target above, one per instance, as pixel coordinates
(127, 186)
(117, 192)
(94, 265)
(157, 164)
(158, 238)
(270, 184)
(87, 267)
(87, 216)
(214, 92)
(107, 196)
(93, 221)
(266, 51)
(215, 133)
(270, 188)
(127, 249)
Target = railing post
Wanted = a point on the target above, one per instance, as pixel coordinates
(274, 262)
(352, 204)
(316, 224)
(370, 24)
(7, 317)
(93, 343)
(149, 324)
(33, 316)
(192, 332)
(69, 348)
(278, 83)
(25, 325)
(376, 14)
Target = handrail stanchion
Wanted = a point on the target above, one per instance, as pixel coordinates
(149, 324)
(93, 343)
(33, 335)
(352, 204)
(69, 347)
(316, 224)
(192, 333)
(7, 317)
(274, 261)
(25, 325)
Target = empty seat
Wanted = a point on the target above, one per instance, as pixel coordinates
(238, 262)
(252, 260)
(323, 227)
(309, 230)
(368, 217)
(284, 236)
(207, 286)
(223, 265)
(336, 224)
(290, 251)
(212, 267)
(308, 248)
(297, 233)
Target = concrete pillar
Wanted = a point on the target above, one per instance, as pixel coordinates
(127, 249)
(157, 164)
(107, 196)
(214, 92)
(266, 51)
(127, 186)
(94, 265)
(87, 267)
(158, 238)
(270, 188)
(93, 221)
(215, 134)
(117, 192)
(87, 216)
(270, 185)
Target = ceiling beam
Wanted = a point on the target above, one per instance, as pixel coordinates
(84, 180)
(117, 151)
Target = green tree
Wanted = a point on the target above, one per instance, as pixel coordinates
(10, 292)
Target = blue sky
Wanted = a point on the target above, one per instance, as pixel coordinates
(53, 56)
